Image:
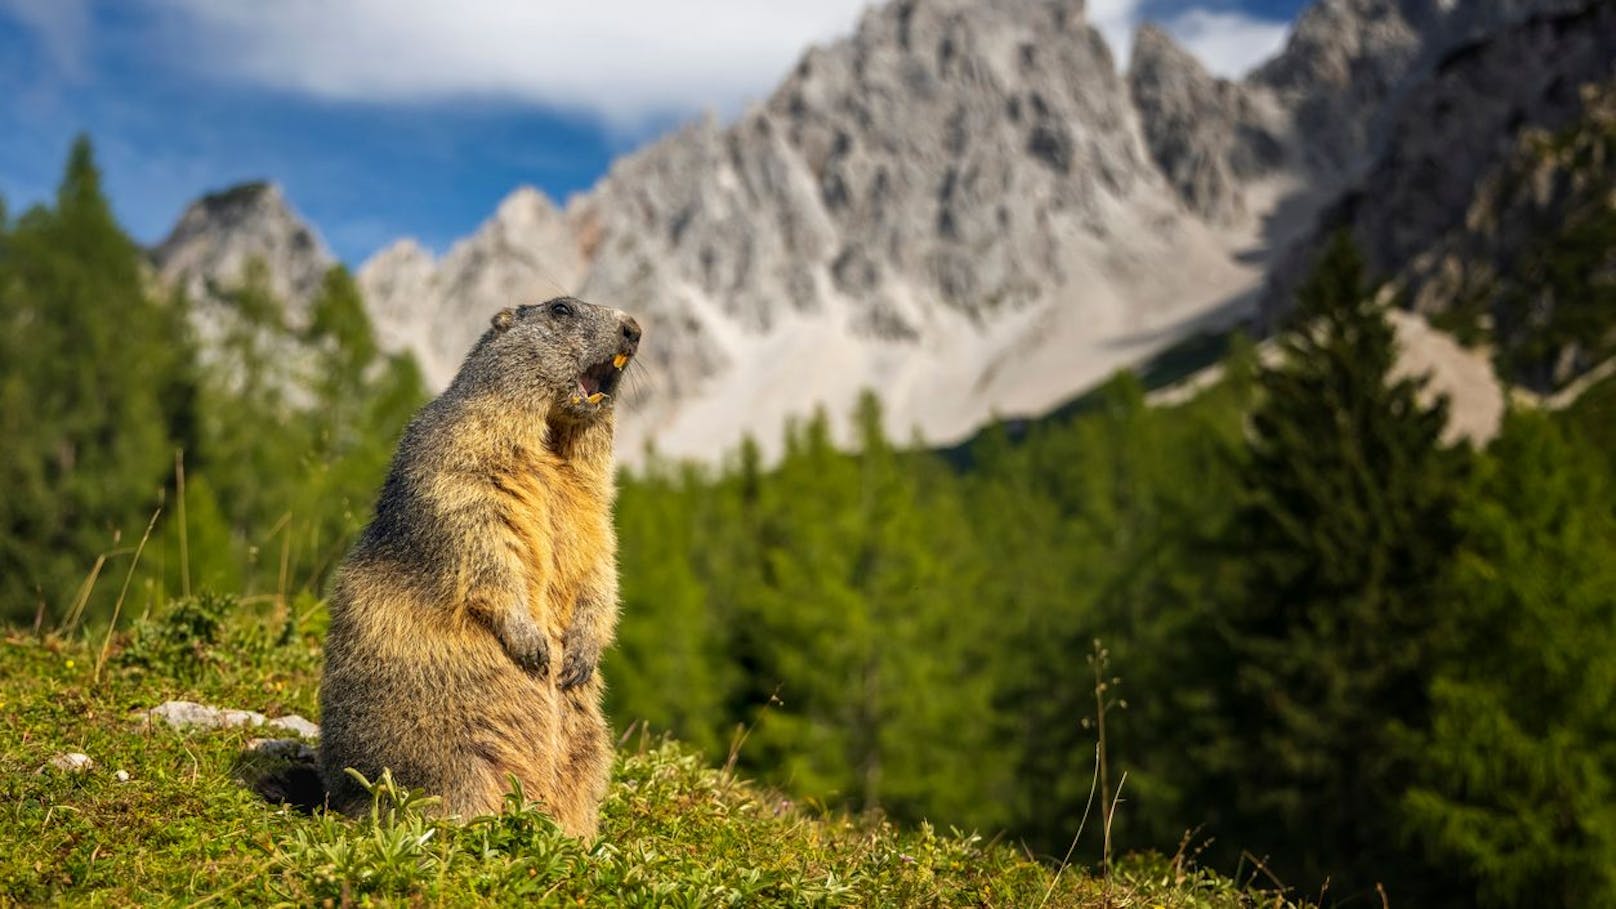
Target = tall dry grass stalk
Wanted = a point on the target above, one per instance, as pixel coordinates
(1066, 861)
(106, 642)
(185, 546)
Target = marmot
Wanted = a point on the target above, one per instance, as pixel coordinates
(467, 621)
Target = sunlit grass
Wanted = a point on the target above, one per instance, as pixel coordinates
(183, 829)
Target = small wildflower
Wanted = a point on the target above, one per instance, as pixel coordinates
(70, 664)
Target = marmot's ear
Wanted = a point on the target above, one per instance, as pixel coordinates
(503, 319)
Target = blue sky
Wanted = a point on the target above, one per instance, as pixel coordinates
(390, 118)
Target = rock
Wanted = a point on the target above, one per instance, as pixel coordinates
(295, 723)
(121, 776)
(70, 762)
(1347, 62)
(1427, 214)
(208, 254)
(1342, 61)
(189, 714)
(1457, 126)
(286, 749)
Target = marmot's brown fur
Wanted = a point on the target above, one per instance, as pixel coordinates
(467, 621)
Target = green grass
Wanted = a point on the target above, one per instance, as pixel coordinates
(182, 830)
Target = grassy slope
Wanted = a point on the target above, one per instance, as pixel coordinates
(182, 829)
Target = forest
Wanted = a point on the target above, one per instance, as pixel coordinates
(1283, 626)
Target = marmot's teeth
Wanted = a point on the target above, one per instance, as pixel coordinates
(597, 397)
(620, 360)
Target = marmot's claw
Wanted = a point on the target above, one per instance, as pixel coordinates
(578, 662)
(575, 670)
(536, 661)
(529, 648)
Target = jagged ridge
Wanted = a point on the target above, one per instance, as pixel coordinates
(961, 205)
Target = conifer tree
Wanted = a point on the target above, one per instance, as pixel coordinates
(1515, 777)
(361, 400)
(668, 667)
(95, 360)
(1346, 525)
(859, 624)
(292, 499)
(924, 679)
(812, 626)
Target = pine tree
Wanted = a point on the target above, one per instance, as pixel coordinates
(814, 627)
(292, 499)
(1346, 525)
(857, 628)
(86, 390)
(1515, 777)
(924, 678)
(668, 669)
(362, 398)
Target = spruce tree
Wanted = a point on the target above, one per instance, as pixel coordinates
(1515, 776)
(859, 638)
(293, 499)
(93, 369)
(1345, 526)
(362, 398)
(668, 668)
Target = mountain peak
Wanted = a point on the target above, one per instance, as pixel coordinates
(253, 193)
(219, 235)
(1209, 136)
(524, 207)
(951, 205)
(402, 249)
(437, 307)
(1153, 46)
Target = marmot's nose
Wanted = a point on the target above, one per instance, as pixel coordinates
(631, 333)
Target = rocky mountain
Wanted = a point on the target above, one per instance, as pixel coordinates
(1210, 137)
(221, 234)
(1465, 184)
(439, 308)
(955, 206)
(962, 205)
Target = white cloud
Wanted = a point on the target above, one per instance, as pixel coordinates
(63, 27)
(1229, 44)
(624, 60)
(1116, 21)
(631, 63)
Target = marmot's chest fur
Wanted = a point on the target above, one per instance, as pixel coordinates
(560, 519)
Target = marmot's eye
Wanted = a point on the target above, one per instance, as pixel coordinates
(559, 308)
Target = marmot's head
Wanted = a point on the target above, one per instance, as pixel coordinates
(566, 350)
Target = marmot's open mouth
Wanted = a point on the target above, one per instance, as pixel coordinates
(601, 380)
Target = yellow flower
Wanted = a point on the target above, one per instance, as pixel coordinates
(70, 664)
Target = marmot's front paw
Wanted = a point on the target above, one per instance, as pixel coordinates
(578, 660)
(528, 646)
